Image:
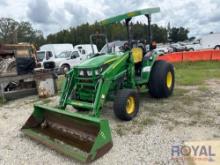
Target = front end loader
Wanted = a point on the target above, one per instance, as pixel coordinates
(112, 76)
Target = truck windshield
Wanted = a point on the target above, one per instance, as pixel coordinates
(40, 56)
(65, 54)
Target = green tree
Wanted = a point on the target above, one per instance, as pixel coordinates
(178, 34)
(8, 30)
(159, 34)
(25, 32)
(12, 31)
(117, 31)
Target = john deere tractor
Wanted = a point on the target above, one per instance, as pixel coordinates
(112, 76)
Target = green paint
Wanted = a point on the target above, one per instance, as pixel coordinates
(130, 15)
(91, 90)
(97, 61)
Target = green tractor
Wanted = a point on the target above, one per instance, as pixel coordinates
(114, 76)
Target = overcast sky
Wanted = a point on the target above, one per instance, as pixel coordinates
(199, 17)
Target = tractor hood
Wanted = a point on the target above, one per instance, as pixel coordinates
(98, 61)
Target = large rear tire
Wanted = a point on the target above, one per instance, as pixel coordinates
(126, 104)
(162, 79)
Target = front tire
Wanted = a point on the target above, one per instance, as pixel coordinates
(162, 79)
(65, 68)
(126, 104)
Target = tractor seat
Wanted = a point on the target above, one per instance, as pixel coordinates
(137, 54)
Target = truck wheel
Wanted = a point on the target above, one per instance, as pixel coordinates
(126, 104)
(65, 68)
(162, 79)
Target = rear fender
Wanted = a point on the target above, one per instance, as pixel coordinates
(147, 66)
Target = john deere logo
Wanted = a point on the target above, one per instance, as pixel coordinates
(103, 135)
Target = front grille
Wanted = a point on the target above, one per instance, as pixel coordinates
(86, 85)
(49, 65)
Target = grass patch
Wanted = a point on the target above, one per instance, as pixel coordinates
(121, 130)
(179, 92)
(147, 121)
(188, 100)
(203, 88)
(2, 101)
(194, 73)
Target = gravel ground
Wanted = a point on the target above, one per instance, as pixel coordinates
(192, 113)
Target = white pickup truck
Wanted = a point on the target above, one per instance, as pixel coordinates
(66, 60)
(63, 56)
(51, 51)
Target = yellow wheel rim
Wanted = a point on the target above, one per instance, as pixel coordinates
(130, 107)
(169, 79)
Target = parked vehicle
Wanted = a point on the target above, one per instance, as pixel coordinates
(50, 52)
(43, 56)
(62, 56)
(210, 41)
(178, 47)
(163, 49)
(86, 50)
(55, 49)
(64, 61)
(193, 46)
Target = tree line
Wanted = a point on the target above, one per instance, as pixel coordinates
(12, 31)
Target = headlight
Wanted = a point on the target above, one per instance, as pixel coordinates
(98, 71)
(89, 72)
(81, 73)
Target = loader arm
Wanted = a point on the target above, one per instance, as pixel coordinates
(116, 70)
(67, 88)
(112, 73)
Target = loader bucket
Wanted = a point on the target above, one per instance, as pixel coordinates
(76, 135)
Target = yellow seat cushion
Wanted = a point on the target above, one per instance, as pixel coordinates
(137, 54)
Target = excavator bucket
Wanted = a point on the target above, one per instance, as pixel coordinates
(76, 135)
